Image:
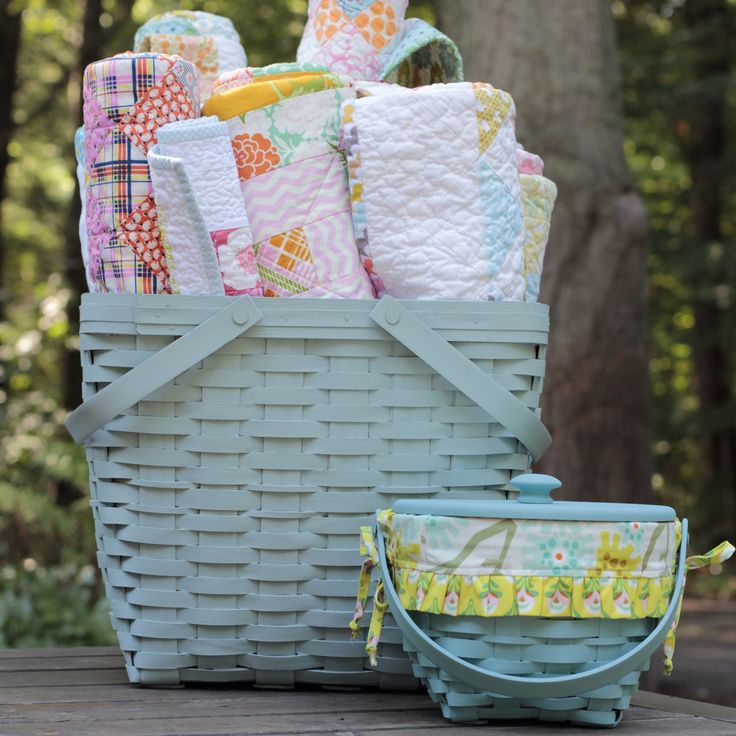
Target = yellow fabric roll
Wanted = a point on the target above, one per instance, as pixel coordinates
(268, 90)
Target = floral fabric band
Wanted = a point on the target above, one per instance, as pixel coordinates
(506, 567)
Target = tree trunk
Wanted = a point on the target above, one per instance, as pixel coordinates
(93, 41)
(10, 25)
(708, 49)
(89, 50)
(559, 61)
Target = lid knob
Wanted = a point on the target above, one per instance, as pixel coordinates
(535, 487)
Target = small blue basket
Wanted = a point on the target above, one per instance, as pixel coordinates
(582, 671)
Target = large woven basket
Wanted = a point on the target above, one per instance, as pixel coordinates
(582, 671)
(236, 446)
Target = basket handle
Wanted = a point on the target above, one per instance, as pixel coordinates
(554, 686)
(467, 377)
(162, 367)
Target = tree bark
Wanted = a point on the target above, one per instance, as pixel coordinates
(73, 265)
(89, 50)
(93, 41)
(10, 26)
(708, 48)
(559, 61)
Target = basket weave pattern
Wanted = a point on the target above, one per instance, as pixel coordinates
(530, 646)
(227, 502)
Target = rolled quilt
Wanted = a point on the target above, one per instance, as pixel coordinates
(538, 196)
(204, 228)
(529, 163)
(209, 41)
(127, 98)
(287, 72)
(372, 39)
(242, 90)
(435, 192)
(82, 179)
(293, 182)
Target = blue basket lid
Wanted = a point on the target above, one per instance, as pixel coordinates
(535, 502)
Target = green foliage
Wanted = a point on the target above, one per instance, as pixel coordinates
(42, 607)
(45, 522)
(660, 51)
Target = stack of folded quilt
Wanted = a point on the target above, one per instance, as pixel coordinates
(338, 175)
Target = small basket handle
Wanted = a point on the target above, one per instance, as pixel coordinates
(542, 687)
(164, 366)
(462, 373)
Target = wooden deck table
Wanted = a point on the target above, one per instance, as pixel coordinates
(85, 692)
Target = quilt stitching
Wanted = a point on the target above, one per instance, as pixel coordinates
(290, 252)
(166, 102)
(140, 231)
(117, 85)
(492, 111)
(284, 285)
(330, 19)
(502, 235)
(377, 24)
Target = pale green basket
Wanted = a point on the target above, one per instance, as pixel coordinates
(236, 446)
(479, 669)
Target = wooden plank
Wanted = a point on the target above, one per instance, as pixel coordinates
(44, 653)
(62, 678)
(254, 723)
(99, 693)
(649, 714)
(690, 727)
(62, 692)
(119, 698)
(396, 724)
(51, 664)
(239, 702)
(682, 705)
(243, 703)
(272, 712)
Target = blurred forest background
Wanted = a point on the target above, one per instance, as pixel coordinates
(677, 80)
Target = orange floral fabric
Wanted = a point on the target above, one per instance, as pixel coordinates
(254, 155)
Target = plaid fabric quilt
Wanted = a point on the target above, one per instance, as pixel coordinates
(126, 99)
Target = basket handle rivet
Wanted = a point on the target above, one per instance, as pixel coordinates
(240, 316)
(392, 317)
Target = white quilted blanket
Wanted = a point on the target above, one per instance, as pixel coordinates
(204, 226)
(435, 192)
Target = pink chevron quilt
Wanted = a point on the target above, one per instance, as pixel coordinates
(294, 186)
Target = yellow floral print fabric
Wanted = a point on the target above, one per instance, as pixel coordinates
(509, 567)
(514, 567)
(533, 595)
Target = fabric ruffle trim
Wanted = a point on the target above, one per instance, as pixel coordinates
(506, 595)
